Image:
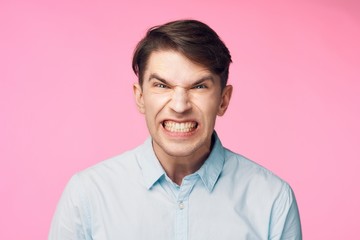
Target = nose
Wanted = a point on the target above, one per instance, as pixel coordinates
(180, 100)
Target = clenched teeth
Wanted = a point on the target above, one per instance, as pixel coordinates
(179, 127)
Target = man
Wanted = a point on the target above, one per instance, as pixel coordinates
(181, 183)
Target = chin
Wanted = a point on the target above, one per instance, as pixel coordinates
(179, 153)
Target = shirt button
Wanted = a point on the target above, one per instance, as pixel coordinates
(181, 205)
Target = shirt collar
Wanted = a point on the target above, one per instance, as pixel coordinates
(209, 172)
(149, 164)
(211, 169)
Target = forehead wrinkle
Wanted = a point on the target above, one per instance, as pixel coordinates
(175, 69)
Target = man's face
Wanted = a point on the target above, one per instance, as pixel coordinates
(180, 101)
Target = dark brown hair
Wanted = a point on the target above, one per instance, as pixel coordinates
(194, 39)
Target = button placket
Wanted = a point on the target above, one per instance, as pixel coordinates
(181, 205)
(182, 208)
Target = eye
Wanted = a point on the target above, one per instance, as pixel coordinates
(201, 86)
(160, 85)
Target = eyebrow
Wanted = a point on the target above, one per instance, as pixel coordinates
(201, 80)
(157, 77)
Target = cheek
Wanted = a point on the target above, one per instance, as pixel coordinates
(208, 104)
(208, 111)
(163, 98)
(153, 104)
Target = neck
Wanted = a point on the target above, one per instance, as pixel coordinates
(179, 162)
(177, 169)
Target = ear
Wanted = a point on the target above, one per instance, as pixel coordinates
(139, 98)
(225, 100)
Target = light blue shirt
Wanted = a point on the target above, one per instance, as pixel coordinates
(130, 197)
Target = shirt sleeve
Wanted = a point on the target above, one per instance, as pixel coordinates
(285, 220)
(71, 219)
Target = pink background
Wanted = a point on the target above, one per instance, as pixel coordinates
(66, 99)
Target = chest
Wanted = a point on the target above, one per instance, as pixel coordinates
(157, 215)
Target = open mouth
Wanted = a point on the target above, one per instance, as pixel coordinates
(180, 127)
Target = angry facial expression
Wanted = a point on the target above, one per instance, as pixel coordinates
(181, 101)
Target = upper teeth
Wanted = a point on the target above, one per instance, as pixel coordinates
(179, 127)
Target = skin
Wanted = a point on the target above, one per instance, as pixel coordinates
(187, 98)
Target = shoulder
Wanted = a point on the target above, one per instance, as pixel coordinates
(120, 169)
(249, 174)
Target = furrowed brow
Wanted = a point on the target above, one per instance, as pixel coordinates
(204, 79)
(157, 77)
